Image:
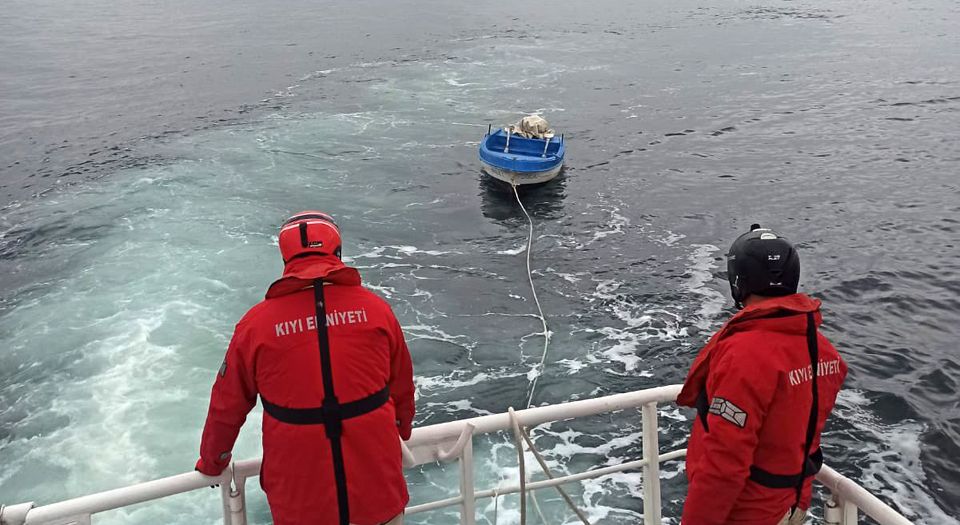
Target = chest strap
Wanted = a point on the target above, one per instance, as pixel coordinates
(331, 408)
(811, 462)
(317, 416)
(331, 413)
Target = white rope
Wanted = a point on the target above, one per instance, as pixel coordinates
(533, 290)
(543, 357)
(520, 435)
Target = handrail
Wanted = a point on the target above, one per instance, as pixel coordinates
(452, 440)
(123, 497)
(846, 493)
(531, 417)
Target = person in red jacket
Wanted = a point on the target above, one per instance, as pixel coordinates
(763, 387)
(328, 359)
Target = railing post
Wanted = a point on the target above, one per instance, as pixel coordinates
(838, 511)
(225, 501)
(463, 450)
(850, 515)
(832, 513)
(651, 470)
(238, 502)
(468, 509)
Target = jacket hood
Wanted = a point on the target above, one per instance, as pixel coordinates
(301, 272)
(787, 314)
(781, 314)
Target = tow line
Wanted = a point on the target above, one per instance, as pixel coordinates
(533, 290)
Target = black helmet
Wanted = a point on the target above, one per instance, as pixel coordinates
(764, 263)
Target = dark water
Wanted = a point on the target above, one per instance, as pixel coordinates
(834, 123)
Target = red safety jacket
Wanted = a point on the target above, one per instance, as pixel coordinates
(753, 388)
(274, 353)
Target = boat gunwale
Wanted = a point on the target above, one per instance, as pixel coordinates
(521, 162)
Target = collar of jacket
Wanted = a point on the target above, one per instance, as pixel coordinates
(301, 272)
(788, 315)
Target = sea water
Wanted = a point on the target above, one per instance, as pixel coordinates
(833, 123)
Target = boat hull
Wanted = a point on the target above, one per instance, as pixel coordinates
(519, 160)
(521, 178)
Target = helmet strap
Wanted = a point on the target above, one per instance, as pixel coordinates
(735, 294)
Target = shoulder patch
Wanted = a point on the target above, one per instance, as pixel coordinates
(223, 368)
(727, 410)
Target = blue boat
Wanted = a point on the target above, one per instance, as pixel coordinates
(517, 160)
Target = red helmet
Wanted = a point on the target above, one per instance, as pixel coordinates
(309, 233)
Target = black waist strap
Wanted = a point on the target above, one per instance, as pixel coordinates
(322, 415)
(783, 481)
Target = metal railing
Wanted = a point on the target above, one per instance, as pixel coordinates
(454, 441)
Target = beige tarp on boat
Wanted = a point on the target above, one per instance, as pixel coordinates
(532, 127)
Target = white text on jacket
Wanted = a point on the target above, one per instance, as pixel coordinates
(334, 318)
(802, 375)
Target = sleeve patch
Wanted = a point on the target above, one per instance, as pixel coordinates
(727, 410)
(223, 368)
